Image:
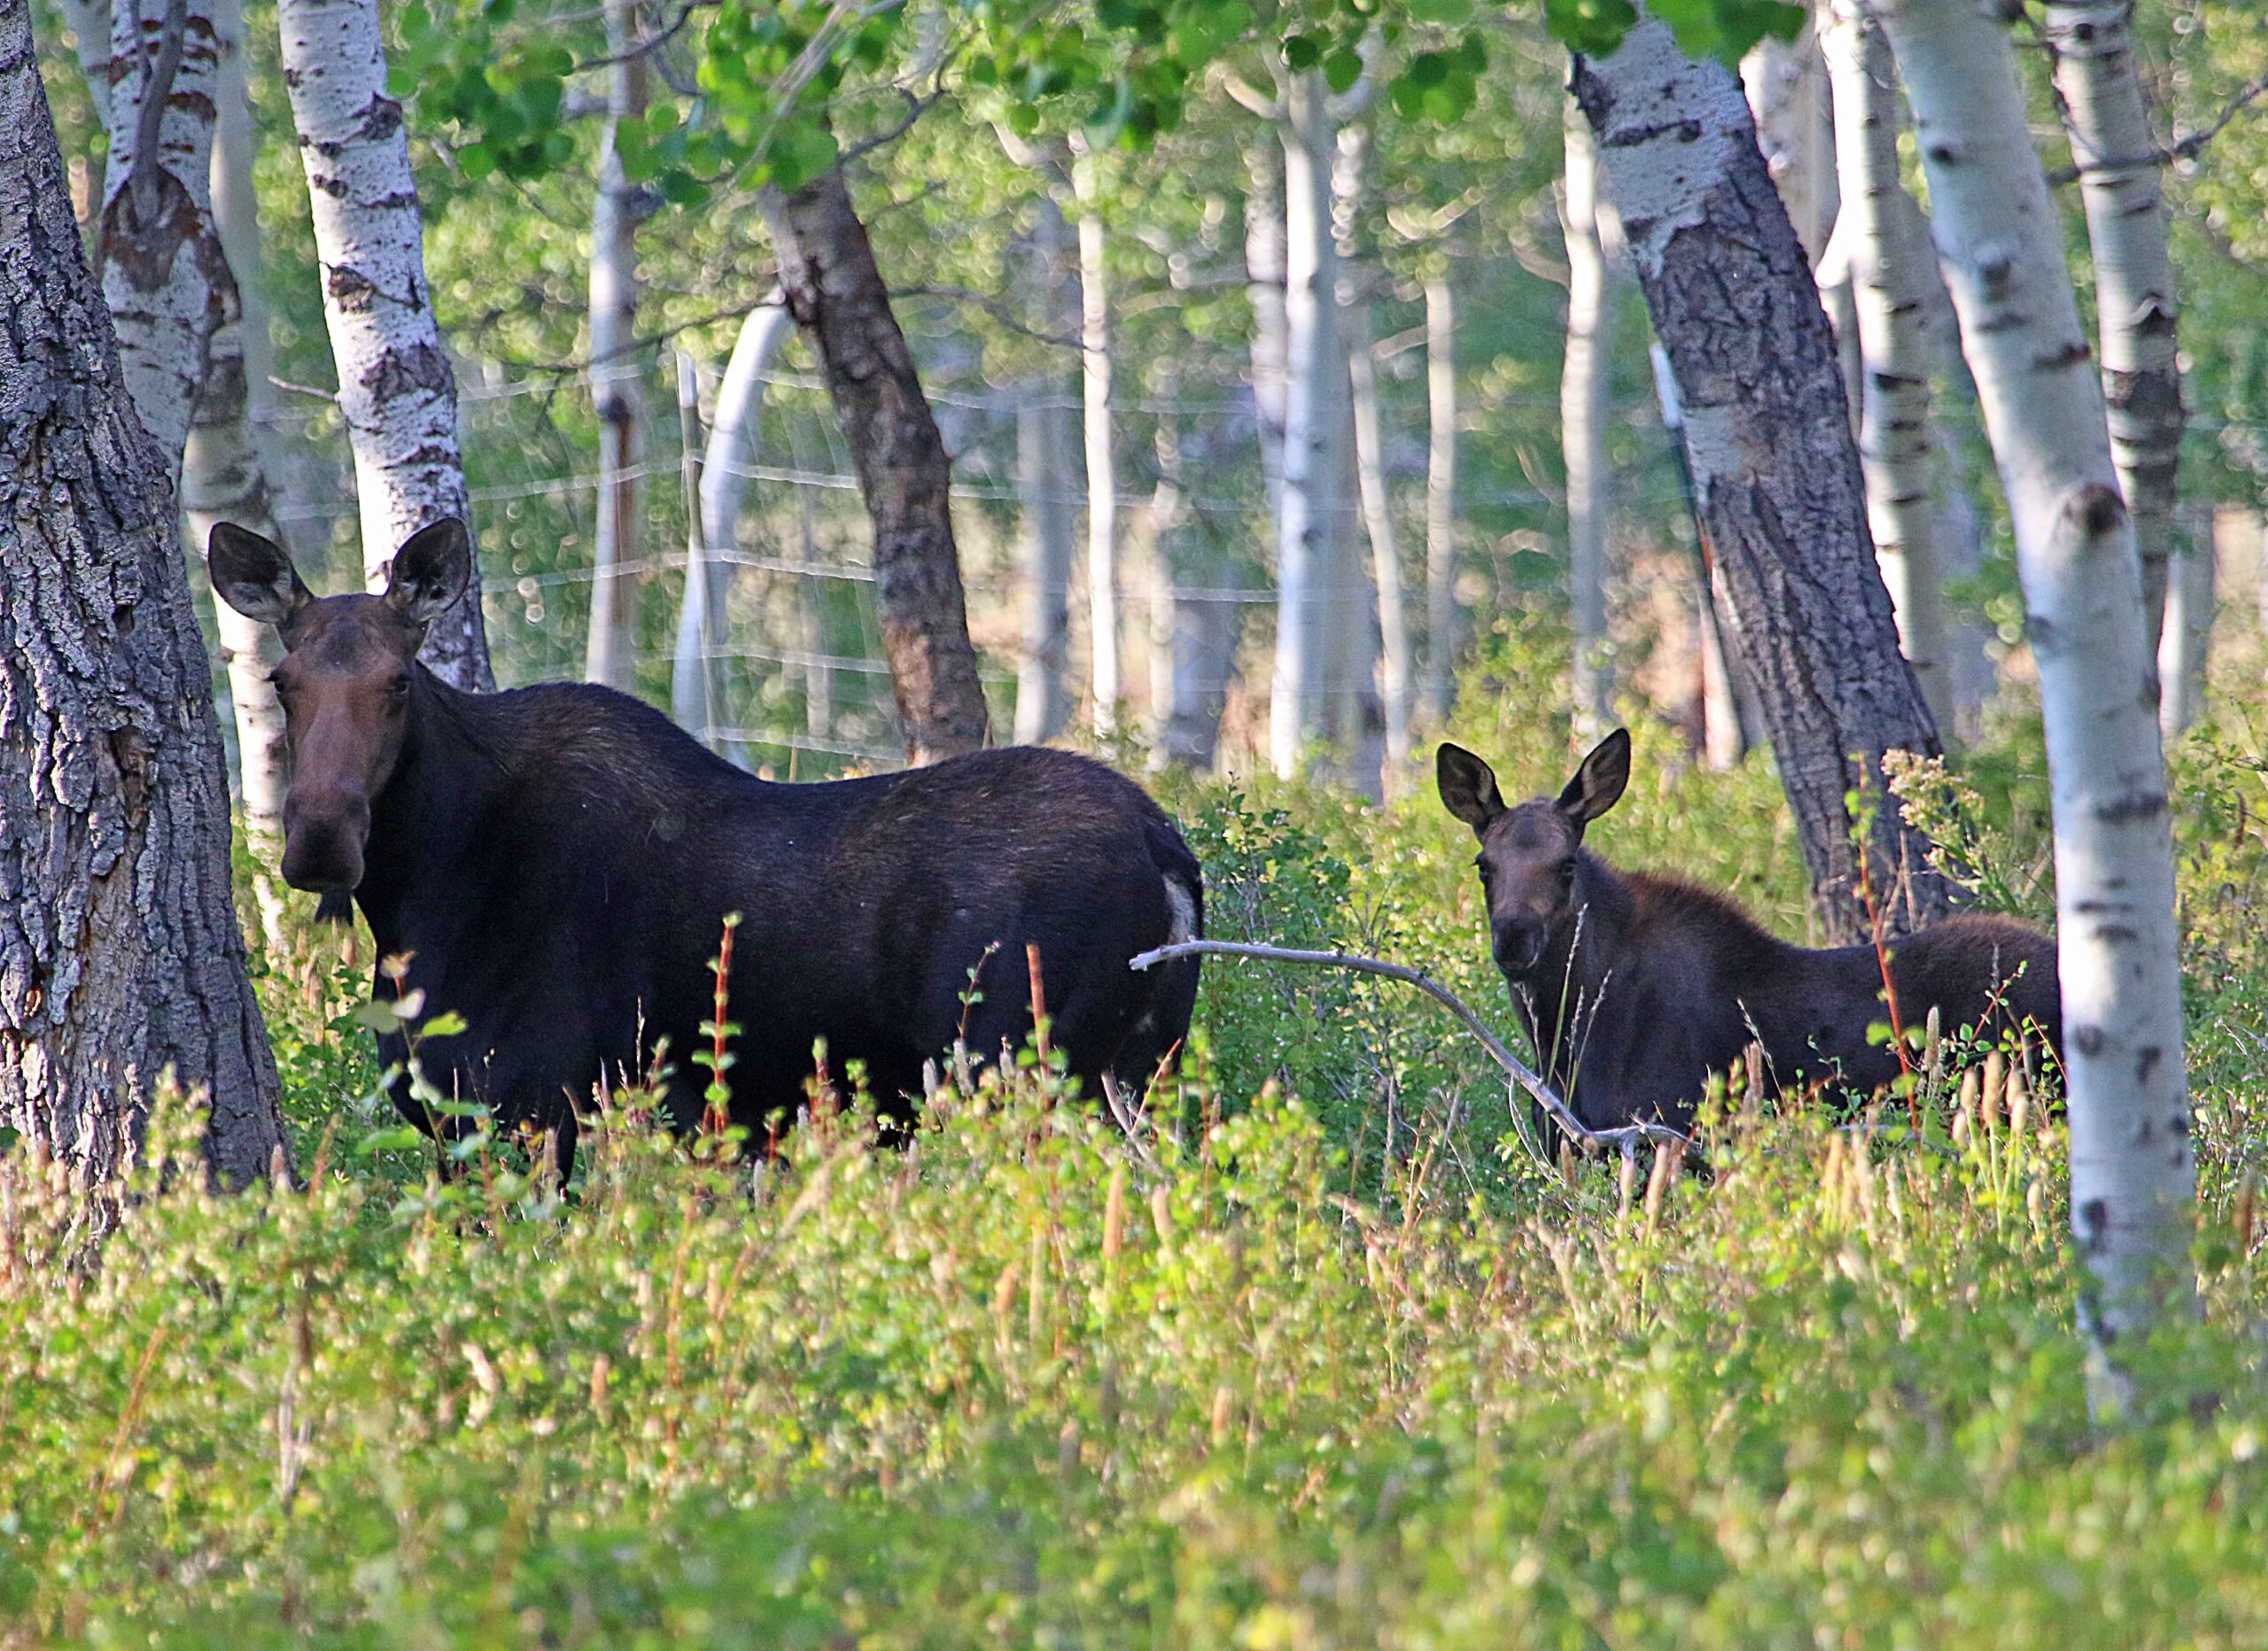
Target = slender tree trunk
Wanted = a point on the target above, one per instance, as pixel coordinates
(164, 276)
(120, 955)
(1725, 716)
(1043, 481)
(1582, 426)
(396, 390)
(2132, 1173)
(1264, 283)
(1358, 260)
(229, 472)
(91, 26)
(617, 376)
(1312, 357)
(1888, 262)
(836, 295)
(703, 615)
(1440, 494)
(1788, 90)
(1095, 369)
(1776, 469)
(1192, 635)
(2090, 42)
(2186, 642)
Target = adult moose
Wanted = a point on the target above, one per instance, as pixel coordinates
(556, 863)
(1634, 989)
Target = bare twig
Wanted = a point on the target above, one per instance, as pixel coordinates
(2183, 149)
(1625, 1137)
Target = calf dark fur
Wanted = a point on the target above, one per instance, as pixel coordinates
(556, 863)
(1635, 988)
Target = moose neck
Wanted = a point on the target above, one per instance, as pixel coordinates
(433, 812)
(1561, 998)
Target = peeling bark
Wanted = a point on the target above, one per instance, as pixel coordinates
(836, 295)
(1999, 237)
(120, 955)
(396, 390)
(1776, 469)
(2090, 42)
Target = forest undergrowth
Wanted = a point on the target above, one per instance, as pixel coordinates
(1329, 1357)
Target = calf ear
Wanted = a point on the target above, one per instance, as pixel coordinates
(430, 572)
(1597, 785)
(254, 575)
(1468, 786)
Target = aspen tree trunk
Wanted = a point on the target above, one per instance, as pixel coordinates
(836, 295)
(1095, 367)
(1440, 494)
(1998, 236)
(2090, 42)
(1788, 94)
(1356, 259)
(1194, 636)
(91, 24)
(1724, 717)
(1264, 284)
(618, 385)
(396, 390)
(1312, 357)
(2186, 642)
(163, 274)
(120, 955)
(1044, 483)
(1353, 710)
(731, 447)
(1775, 470)
(230, 471)
(1582, 425)
(1888, 268)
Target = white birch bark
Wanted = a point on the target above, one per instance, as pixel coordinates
(1095, 366)
(1312, 357)
(2186, 640)
(1264, 286)
(1047, 539)
(2090, 42)
(164, 278)
(1889, 264)
(1356, 260)
(230, 471)
(90, 23)
(1440, 494)
(396, 390)
(616, 382)
(1582, 424)
(1999, 237)
(732, 444)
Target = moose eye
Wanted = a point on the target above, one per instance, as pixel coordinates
(399, 688)
(1567, 873)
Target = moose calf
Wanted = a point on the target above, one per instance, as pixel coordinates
(1635, 988)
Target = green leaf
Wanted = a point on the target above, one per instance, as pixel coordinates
(446, 1025)
(377, 1016)
(1451, 12)
(1302, 53)
(1341, 69)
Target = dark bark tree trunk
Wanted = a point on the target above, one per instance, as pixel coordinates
(1767, 428)
(836, 295)
(120, 955)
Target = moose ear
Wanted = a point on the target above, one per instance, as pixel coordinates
(1468, 786)
(1597, 785)
(254, 575)
(430, 572)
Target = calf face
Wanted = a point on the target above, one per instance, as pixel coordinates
(1529, 861)
(347, 684)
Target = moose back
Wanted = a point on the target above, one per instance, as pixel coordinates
(556, 863)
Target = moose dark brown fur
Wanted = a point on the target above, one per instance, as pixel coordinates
(1635, 988)
(556, 863)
